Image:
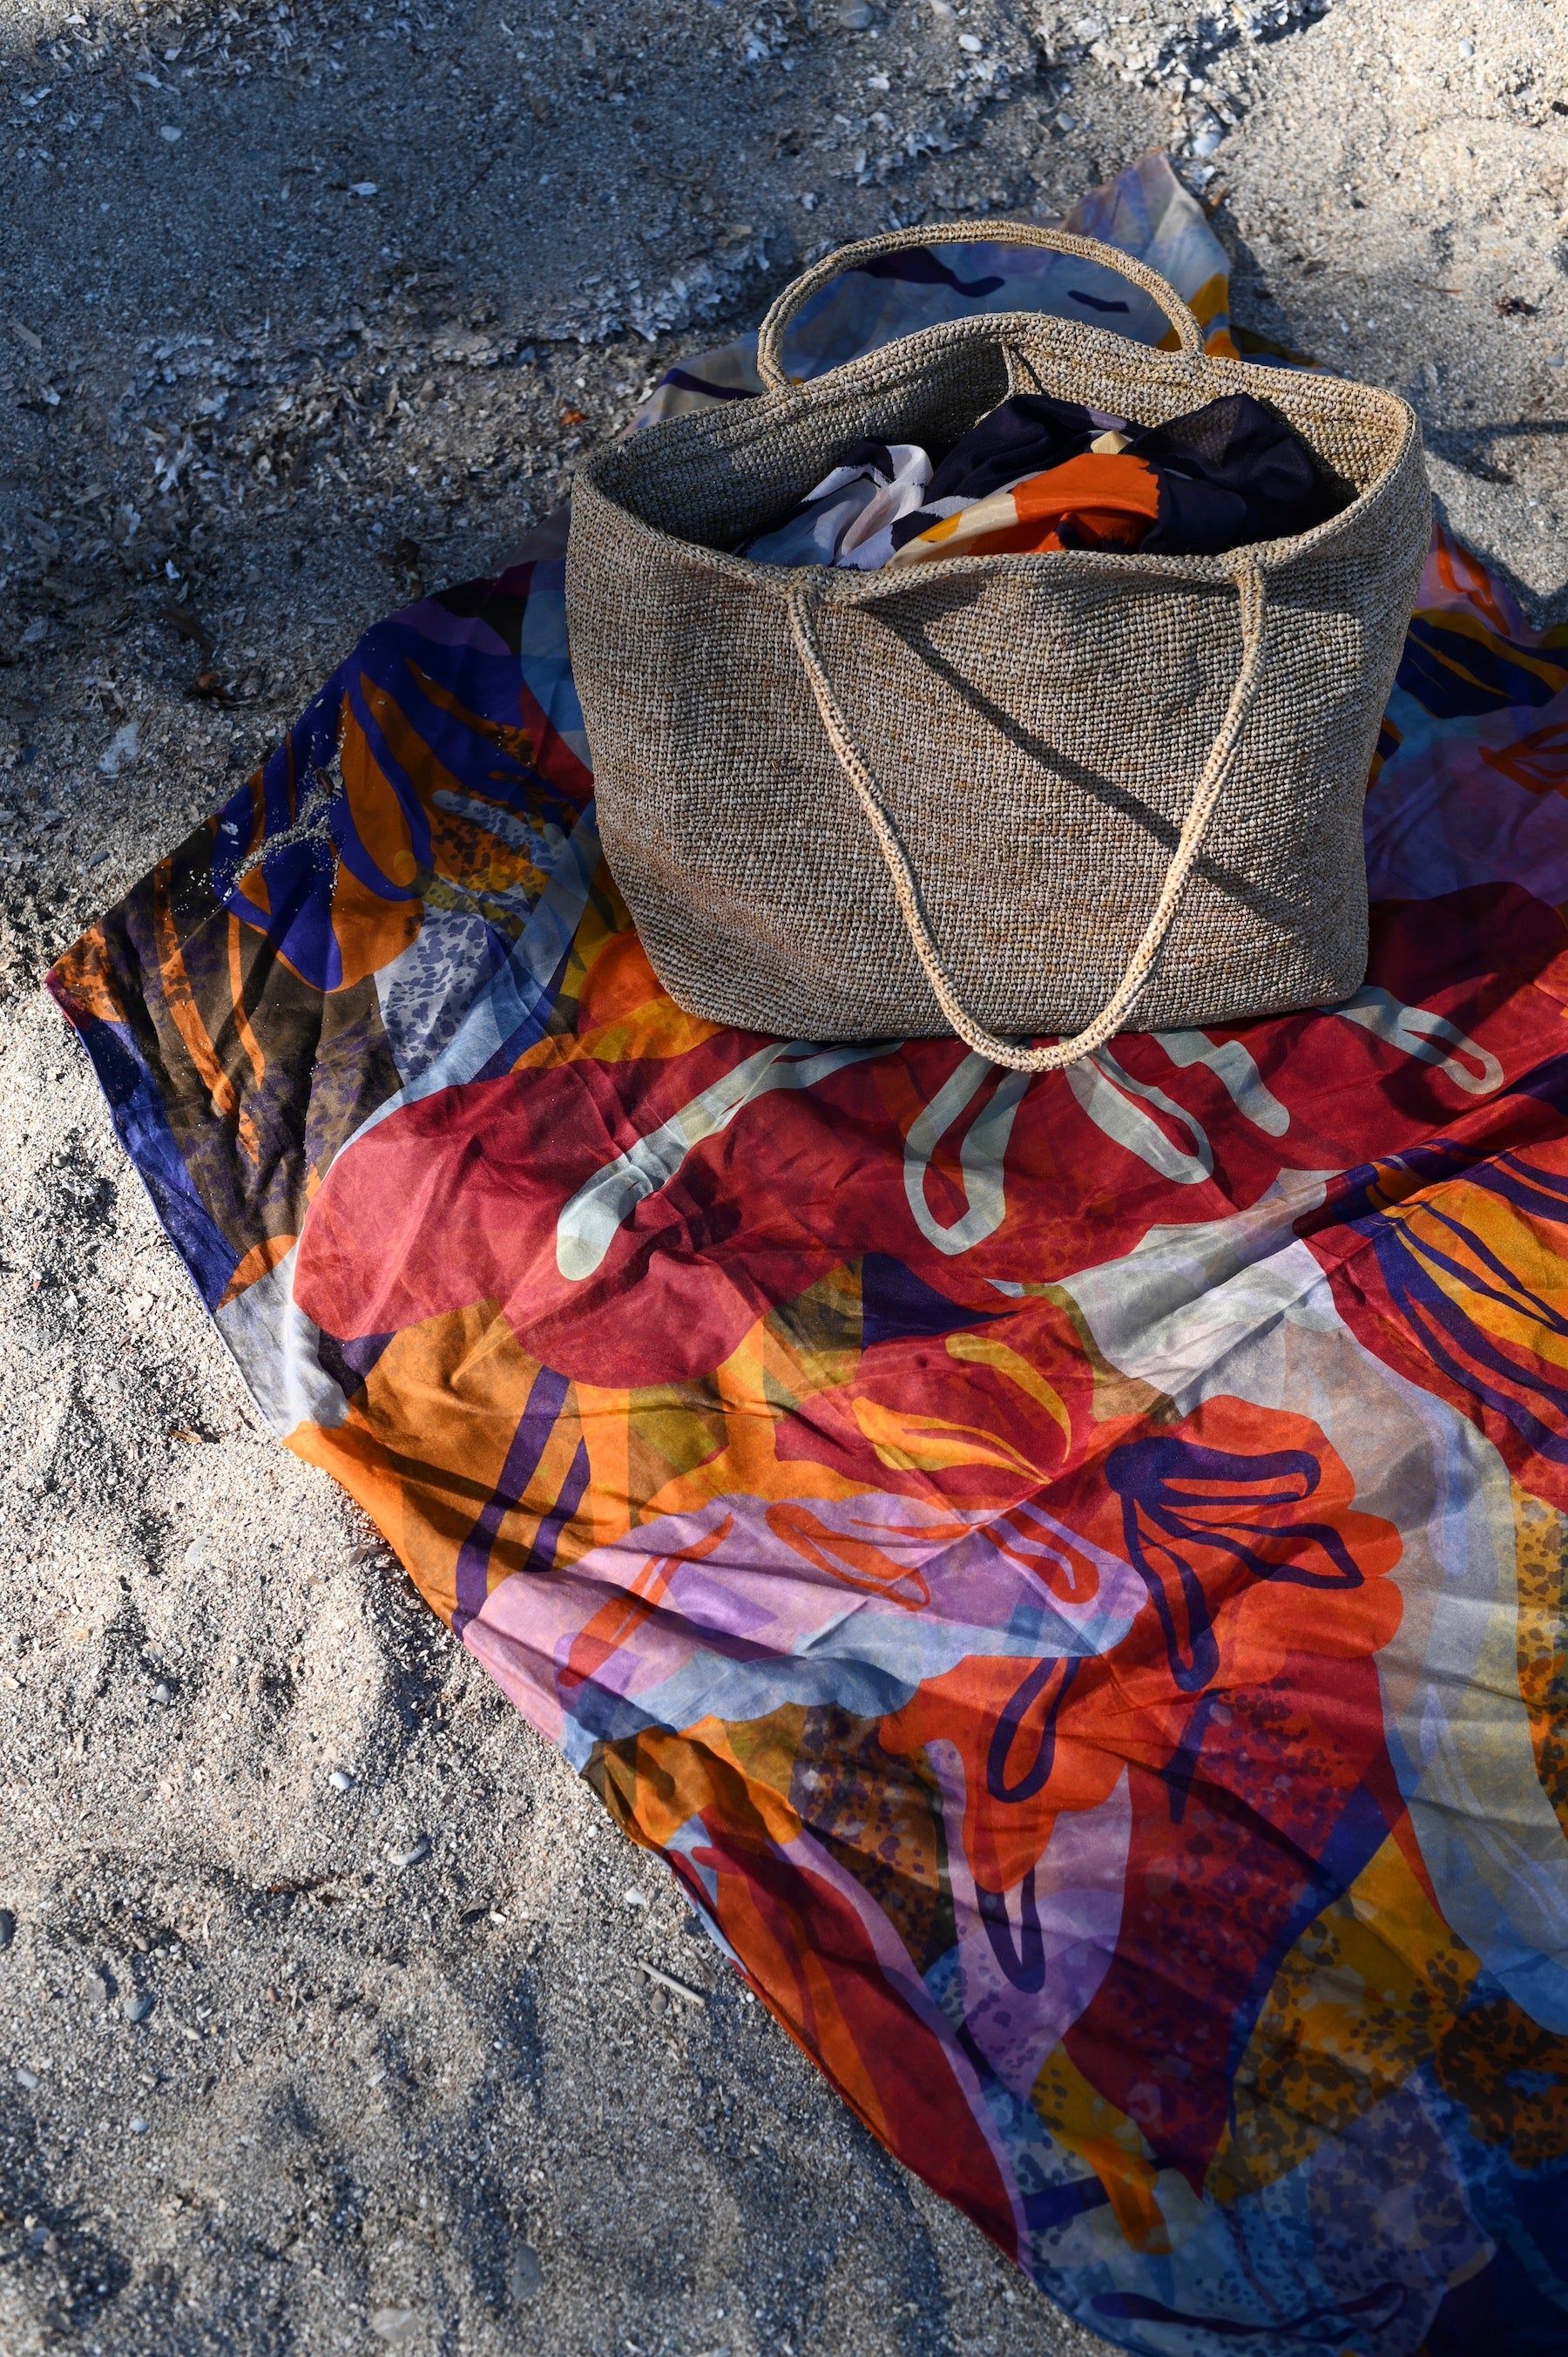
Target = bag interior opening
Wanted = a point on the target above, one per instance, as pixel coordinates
(717, 487)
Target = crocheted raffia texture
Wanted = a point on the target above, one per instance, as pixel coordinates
(1035, 725)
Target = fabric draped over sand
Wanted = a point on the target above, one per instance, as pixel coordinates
(1069, 1572)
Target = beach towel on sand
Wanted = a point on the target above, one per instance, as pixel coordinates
(1068, 1572)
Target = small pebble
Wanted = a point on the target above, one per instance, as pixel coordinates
(8, 1927)
(169, 130)
(138, 2128)
(100, 1988)
(658, 1999)
(971, 42)
(397, 2325)
(28, 2079)
(856, 15)
(138, 2005)
(363, 188)
(523, 2273)
(633, 1898)
(163, 1690)
(416, 1855)
(340, 1781)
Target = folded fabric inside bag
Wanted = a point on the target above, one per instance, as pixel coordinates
(1036, 474)
(848, 519)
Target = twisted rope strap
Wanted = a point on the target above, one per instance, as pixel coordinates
(1249, 581)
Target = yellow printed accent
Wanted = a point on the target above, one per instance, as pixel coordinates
(423, 1448)
(929, 1444)
(1541, 1547)
(1212, 302)
(1109, 2143)
(1365, 1997)
(1496, 1266)
(984, 1351)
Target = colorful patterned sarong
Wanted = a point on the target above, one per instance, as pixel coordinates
(1069, 1572)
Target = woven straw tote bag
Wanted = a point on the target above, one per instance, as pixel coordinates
(1070, 793)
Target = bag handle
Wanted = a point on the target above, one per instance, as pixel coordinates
(1249, 581)
(770, 335)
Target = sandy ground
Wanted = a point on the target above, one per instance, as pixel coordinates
(300, 305)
